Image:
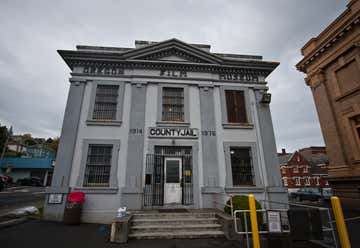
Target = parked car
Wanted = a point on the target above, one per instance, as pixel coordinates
(327, 194)
(6, 179)
(1, 184)
(31, 181)
(311, 194)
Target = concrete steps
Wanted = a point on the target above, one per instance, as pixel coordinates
(175, 225)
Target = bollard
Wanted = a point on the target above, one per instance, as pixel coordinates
(253, 220)
(340, 223)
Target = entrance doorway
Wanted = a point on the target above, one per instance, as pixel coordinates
(172, 182)
(168, 176)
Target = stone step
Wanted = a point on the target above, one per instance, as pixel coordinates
(172, 228)
(172, 215)
(173, 221)
(177, 235)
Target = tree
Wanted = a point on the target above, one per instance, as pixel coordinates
(3, 137)
(30, 142)
(54, 144)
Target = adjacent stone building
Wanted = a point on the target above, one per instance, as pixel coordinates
(164, 125)
(332, 64)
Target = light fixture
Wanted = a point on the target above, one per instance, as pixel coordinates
(266, 98)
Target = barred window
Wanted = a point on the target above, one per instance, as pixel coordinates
(173, 104)
(235, 105)
(98, 164)
(241, 166)
(105, 102)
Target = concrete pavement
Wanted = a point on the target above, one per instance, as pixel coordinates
(21, 196)
(43, 234)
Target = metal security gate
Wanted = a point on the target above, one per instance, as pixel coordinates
(154, 175)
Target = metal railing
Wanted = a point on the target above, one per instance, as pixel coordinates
(327, 227)
(324, 212)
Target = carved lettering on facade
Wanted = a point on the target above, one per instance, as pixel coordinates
(173, 73)
(101, 70)
(238, 77)
(164, 132)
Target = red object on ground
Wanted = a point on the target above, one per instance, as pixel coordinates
(76, 196)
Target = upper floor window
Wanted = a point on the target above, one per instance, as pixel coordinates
(306, 170)
(173, 104)
(285, 181)
(105, 102)
(235, 104)
(98, 165)
(296, 169)
(241, 166)
(356, 124)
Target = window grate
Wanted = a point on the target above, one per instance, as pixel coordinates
(105, 102)
(241, 165)
(98, 164)
(173, 104)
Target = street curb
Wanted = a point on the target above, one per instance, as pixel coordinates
(13, 222)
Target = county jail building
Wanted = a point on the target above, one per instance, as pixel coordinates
(164, 125)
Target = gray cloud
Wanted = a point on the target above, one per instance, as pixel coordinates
(33, 78)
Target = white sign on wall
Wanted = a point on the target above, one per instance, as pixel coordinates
(55, 198)
(274, 221)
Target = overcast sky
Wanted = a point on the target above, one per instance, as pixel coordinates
(34, 79)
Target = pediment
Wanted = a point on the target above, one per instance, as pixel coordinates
(172, 54)
(173, 50)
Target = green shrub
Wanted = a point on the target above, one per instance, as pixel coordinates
(241, 202)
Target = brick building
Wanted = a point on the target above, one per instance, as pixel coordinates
(332, 64)
(304, 168)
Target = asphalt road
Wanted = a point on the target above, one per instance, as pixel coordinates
(17, 197)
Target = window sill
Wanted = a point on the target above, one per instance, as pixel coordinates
(98, 190)
(103, 123)
(244, 189)
(172, 124)
(238, 125)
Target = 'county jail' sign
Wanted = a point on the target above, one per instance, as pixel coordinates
(173, 132)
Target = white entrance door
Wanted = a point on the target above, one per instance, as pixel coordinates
(172, 184)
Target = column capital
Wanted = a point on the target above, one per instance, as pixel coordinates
(77, 81)
(316, 78)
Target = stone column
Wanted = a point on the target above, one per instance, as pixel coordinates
(132, 192)
(209, 147)
(275, 191)
(62, 170)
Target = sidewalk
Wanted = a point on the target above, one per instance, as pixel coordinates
(43, 234)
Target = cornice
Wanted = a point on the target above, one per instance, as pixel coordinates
(164, 65)
(338, 35)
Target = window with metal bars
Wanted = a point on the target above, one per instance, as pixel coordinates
(241, 166)
(105, 102)
(235, 105)
(173, 104)
(98, 164)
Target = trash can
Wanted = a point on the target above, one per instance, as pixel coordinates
(73, 207)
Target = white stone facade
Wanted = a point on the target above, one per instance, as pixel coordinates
(140, 92)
